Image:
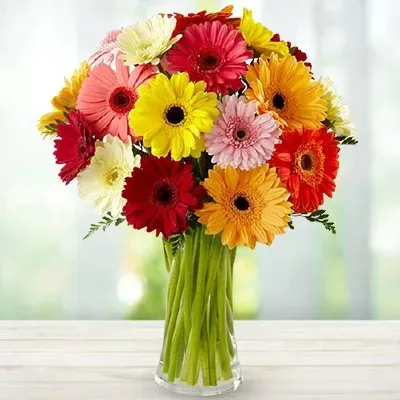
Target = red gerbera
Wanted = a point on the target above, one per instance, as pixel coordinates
(307, 163)
(294, 51)
(160, 194)
(182, 21)
(74, 146)
(213, 52)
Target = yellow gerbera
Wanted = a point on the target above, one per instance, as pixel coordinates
(64, 101)
(172, 113)
(285, 87)
(47, 124)
(249, 206)
(259, 37)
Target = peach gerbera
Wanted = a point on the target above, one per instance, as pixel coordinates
(107, 97)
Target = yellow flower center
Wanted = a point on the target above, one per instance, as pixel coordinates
(112, 175)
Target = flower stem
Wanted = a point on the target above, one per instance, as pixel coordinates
(188, 290)
(212, 346)
(174, 354)
(167, 254)
(197, 312)
(174, 305)
(222, 321)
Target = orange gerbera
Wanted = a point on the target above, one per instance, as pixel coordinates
(307, 161)
(286, 88)
(249, 206)
(183, 21)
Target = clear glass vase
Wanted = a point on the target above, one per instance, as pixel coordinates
(199, 355)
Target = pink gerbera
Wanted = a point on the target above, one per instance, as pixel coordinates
(107, 96)
(108, 49)
(241, 138)
(213, 52)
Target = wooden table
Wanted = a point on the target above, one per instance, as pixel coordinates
(281, 360)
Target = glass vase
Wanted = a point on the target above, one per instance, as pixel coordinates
(199, 355)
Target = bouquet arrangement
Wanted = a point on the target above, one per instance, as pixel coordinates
(213, 132)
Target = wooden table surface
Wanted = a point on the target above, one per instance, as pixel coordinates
(281, 360)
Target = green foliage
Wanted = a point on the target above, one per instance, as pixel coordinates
(322, 217)
(328, 124)
(346, 140)
(104, 223)
(176, 242)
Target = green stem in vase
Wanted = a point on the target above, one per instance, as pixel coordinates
(173, 281)
(197, 312)
(174, 305)
(167, 254)
(188, 290)
(229, 317)
(174, 354)
(212, 345)
(205, 358)
(222, 320)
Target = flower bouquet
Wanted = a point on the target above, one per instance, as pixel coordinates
(213, 132)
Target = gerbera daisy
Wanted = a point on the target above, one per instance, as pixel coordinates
(249, 206)
(74, 146)
(183, 21)
(108, 50)
(160, 194)
(170, 115)
(259, 37)
(107, 96)
(47, 124)
(147, 40)
(101, 183)
(307, 162)
(286, 88)
(213, 52)
(240, 138)
(64, 101)
(293, 50)
(337, 117)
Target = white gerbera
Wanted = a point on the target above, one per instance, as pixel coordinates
(101, 184)
(337, 112)
(147, 40)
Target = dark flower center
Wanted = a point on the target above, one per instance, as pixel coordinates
(278, 101)
(241, 203)
(175, 115)
(164, 194)
(240, 134)
(208, 60)
(122, 100)
(306, 162)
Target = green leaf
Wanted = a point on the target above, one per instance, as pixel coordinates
(290, 224)
(176, 242)
(328, 124)
(322, 217)
(346, 140)
(104, 223)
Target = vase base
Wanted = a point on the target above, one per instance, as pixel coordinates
(198, 390)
